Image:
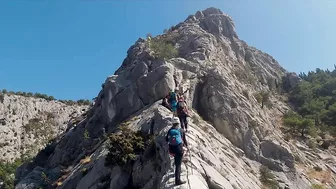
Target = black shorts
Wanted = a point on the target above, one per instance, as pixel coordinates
(176, 150)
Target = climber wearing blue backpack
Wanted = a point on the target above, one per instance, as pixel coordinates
(173, 100)
(176, 139)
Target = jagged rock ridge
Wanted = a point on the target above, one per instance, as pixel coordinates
(230, 135)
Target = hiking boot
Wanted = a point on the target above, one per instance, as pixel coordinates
(179, 182)
(185, 160)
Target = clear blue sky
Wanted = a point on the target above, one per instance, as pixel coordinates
(67, 48)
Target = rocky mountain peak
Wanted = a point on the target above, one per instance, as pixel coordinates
(214, 21)
(232, 91)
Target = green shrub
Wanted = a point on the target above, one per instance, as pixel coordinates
(287, 137)
(312, 130)
(285, 83)
(241, 76)
(245, 76)
(50, 98)
(83, 102)
(195, 119)
(46, 180)
(49, 115)
(297, 158)
(271, 82)
(71, 102)
(205, 128)
(33, 124)
(258, 97)
(43, 130)
(297, 124)
(44, 96)
(317, 186)
(36, 95)
(253, 124)
(318, 168)
(263, 98)
(251, 79)
(84, 171)
(312, 144)
(125, 147)
(2, 98)
(7, 171)
(267, 178)
(86, 135)
(68, 102)
(162, 49)
(246, 94)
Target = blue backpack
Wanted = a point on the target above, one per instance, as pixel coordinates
(175, 137)
(172, 97)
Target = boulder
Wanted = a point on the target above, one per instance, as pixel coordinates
(33, 180)
(275, 156)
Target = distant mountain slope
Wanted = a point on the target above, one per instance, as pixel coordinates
(28, 123)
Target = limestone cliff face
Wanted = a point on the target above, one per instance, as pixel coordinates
(27, 124)
(231, 134)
